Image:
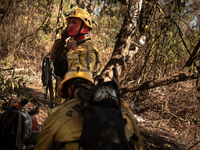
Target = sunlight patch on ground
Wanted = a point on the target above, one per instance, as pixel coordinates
(139, 118)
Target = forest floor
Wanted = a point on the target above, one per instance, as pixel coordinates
(168, 117)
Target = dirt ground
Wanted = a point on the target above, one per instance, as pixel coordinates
(168, 117)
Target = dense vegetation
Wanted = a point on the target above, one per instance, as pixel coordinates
(151, 42)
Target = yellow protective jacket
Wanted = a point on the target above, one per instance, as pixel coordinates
(65, 125)
(77, 58)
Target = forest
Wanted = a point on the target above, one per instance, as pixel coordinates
(154, 45)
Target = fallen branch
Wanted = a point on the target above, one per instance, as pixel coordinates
(155, 83)
(32, 71)
(13, 69)
(180, 76)
(194, 145)
(167, 111)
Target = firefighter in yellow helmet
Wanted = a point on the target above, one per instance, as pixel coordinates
(81, 50)
(64, 125)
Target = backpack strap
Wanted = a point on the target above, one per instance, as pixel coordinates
(131, 141)
(97, 62)
(79, 43)
(88, 58)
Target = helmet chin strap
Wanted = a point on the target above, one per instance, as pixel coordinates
(79, 33)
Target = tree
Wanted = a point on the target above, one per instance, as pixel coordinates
(161, 27)
(21, 24)
(144, 40)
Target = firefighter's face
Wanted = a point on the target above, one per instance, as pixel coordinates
(72, 21)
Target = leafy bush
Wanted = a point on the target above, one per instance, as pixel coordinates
(10, 84)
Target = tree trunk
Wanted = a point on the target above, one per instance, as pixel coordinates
(122, 47)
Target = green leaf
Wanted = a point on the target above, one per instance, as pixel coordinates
(13, 86)
(15, 77)
(13, 74)
(21, 79)
(99, 3)
(25, 79)
(24, 86)
(18, 86)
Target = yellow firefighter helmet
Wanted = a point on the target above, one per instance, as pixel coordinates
(82, 14)
(77, 73)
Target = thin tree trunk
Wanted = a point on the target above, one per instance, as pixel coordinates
(122, 46)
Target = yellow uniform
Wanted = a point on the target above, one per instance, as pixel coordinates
(84, 55)
(78, 57)
(65, 125)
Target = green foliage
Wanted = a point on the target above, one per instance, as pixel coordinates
(2, 11)
(171, 37)
(106, 27)
(28, 31)
(47, 28)
(10, 84)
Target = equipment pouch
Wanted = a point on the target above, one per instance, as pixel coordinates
(45, 70)
(60, 66)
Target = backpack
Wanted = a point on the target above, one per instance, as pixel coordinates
(17, 127)
(103, 123)
(60, 65)
(45, 70)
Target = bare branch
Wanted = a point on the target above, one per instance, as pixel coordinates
(180, 76)
(31, 34)
(59, 16)
(80, 4)
(193, 57)
(158, 82)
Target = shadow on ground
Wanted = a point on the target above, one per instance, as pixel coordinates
(154, 140)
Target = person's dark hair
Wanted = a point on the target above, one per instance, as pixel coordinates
(77, 82)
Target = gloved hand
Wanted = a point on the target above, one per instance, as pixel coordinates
(71, 44)
(64, 35)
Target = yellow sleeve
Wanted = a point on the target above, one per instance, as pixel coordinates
(132, 126)
(92, 60)
(62, 125)
(45, 139)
